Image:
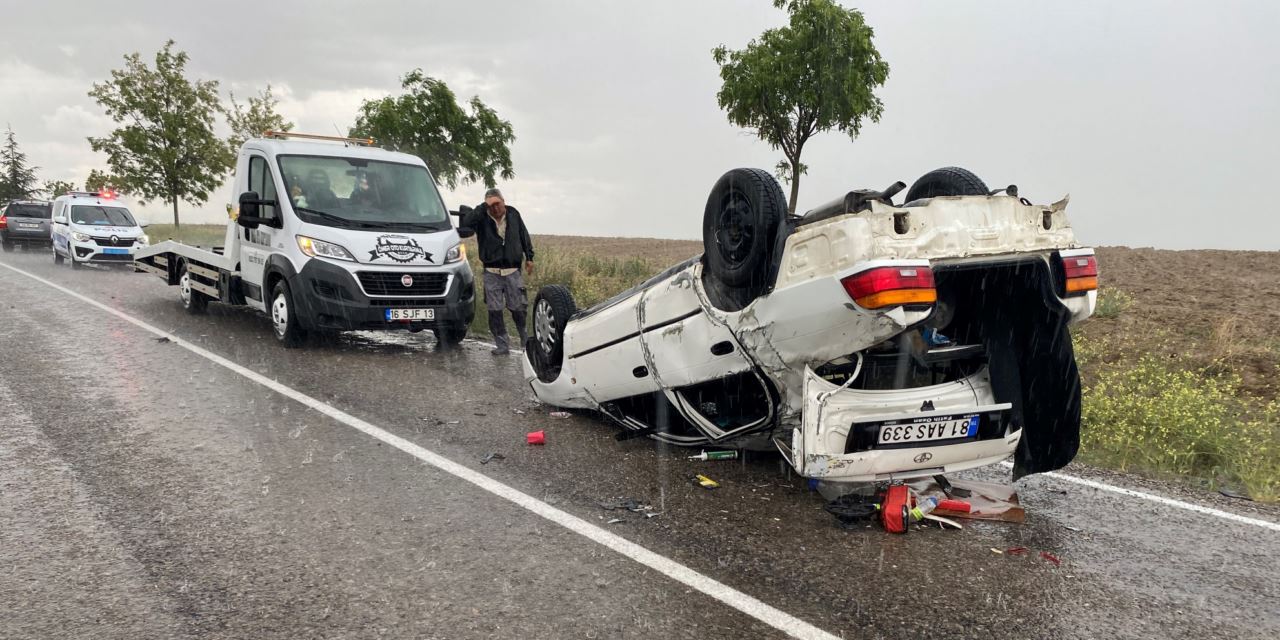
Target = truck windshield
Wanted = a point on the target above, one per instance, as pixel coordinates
(99, 215)
(337, 191)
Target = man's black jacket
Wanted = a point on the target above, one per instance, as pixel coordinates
(494, 252)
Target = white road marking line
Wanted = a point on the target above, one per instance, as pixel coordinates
(775, 618)
(1102, 486)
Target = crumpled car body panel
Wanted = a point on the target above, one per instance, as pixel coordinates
(655, 354)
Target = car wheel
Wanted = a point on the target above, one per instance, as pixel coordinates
(284, 318)
(451, 335)
(8, 246)
(71, 258)
(57, 257)
(947, 181)
(193, 301)
(740, 228)
(551, 312)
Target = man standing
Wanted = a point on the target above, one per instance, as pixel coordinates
(504, 246)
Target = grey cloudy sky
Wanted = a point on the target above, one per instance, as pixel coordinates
(1159, 118)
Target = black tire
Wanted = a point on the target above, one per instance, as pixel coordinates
(57, 257)
(8, 246)
(451, 335)
(947, 181)
(740, 227)
(71, 258)
(193, 301)
(284, 316)
(551, 312)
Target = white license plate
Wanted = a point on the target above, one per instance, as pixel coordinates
(928, 429)
(411, 314)
(28, 226)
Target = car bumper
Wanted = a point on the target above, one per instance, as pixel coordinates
(92, 252)
(25, 236)
(329, 298)
(832, 444)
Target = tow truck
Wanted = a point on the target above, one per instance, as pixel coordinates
(329, 234)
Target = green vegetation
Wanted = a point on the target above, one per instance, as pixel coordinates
(201, 235)
(1112, 302)
(17, 179)
(1169, 416)
(590, 277)
(817, 73)
(164, 146)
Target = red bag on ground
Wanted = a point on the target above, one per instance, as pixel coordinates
(895, 509)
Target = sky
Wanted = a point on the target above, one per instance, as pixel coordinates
(1158, 118)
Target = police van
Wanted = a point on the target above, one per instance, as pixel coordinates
(94, 227)
(329, 234)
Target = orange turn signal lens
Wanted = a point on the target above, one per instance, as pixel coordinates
(1081, 285)
(898, 297)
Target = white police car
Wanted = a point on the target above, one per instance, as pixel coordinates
(94, 227)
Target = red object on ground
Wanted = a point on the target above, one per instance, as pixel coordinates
(536, 437)
(1051, 558)
(955, 505)
(1016, 551)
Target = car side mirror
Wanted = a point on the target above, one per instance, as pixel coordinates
(466, 232)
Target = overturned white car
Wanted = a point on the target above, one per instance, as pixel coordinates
(866, 341)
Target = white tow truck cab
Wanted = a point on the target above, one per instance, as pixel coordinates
(329, 234)
(94, 227)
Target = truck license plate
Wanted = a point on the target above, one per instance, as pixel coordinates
(411, 314)
(927, 429)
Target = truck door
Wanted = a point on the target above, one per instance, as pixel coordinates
(256, 244)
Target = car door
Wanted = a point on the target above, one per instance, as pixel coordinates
(257, 244)
(59, 229)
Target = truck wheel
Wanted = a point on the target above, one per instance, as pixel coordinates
(193, 301)
(284, 318)
(451, 335)
(551, 312)
(947, 181)
(740, 228)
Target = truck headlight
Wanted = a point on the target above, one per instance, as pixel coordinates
(321, 249)
(457, 253)
(80, 237)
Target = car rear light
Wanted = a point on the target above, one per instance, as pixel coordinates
(4, 222)
(1081, 273)
(891, 287)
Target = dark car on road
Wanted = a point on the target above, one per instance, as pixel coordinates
(25, 222)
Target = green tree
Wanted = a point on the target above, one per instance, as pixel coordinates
(56, 188)
(165, 147)
(427, 121)
(254, 119)
(17, 179)
(816, 74)
(99, 180)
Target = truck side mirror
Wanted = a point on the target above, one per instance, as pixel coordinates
(249, 205)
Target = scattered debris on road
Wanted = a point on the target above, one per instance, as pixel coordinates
(630, 504)
(492, 456)
(705, 482)
(536, 437)
(716, 455)
(1051, 558)
(616, 521)
(163, 339)
(559, 414)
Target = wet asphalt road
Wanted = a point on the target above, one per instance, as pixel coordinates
(146, 492)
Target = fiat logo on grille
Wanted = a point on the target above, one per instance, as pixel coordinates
(406, 280)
